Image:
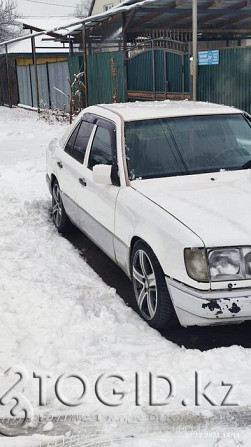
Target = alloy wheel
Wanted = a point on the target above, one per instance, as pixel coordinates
(144, 283)
(56, 205)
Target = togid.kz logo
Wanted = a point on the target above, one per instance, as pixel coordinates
(19, 406)
(110, 390)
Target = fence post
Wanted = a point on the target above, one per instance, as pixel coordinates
(194, 62)
(8, 74)
(34, 56)
(48, 83)
(85, 64)
(31, 89)
(153, 70)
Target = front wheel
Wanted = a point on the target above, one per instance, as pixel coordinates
(60, 218)
(150, 290)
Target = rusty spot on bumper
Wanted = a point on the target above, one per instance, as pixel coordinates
(212, 305)
(234, 309)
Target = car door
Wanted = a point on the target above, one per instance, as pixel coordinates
(68, 162)
(97, 201)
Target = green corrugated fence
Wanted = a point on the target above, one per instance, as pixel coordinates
(105, 73)
(229, 82)
(168, 72)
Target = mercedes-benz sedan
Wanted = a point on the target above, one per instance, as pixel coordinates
(164, 189)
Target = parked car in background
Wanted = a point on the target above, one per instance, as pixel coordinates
(164, 189)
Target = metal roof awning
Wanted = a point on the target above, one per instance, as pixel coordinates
(229, 16)
(214, 16)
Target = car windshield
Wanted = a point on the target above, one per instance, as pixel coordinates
(187, 145)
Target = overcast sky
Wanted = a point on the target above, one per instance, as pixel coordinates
(45, 8)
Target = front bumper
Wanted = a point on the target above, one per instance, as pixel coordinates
(197, 307)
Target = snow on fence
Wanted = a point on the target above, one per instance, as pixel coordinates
(54, 87)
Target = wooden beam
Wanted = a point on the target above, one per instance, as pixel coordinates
(153, 15)
(187, 29)
(129, 19)
(219, 14)
(33, 28)
(98, 24)
(173, 20)
(234, 20)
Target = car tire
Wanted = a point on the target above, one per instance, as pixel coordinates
(150, 290)
(59, 216)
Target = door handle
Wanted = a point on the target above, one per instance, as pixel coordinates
(82, 181)
(59, 164)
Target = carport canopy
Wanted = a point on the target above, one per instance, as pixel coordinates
(214, 16)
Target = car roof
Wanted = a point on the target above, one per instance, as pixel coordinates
(140, 110)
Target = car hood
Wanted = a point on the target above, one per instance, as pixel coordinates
(216, 206)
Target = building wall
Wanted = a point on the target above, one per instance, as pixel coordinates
(102, 5)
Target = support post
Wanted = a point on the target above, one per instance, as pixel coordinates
(34, 57)
(165, 72)
(125, 53)
(153, 70)
(183, 75)
(48, 83)
(195, 44)
(85, 65)
(8, 75)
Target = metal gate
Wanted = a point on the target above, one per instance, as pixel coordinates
(8, 83)
(158, 74)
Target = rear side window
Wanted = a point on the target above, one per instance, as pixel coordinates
(70, 143)
(78, 141)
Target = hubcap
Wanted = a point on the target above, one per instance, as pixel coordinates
(56, 205)
(144, 283)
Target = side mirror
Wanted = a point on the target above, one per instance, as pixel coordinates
(102, 174)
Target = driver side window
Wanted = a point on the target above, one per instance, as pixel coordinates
(102, 150)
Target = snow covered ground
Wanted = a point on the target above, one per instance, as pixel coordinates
(58, 317)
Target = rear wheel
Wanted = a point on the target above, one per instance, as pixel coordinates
(150, 290)
(60, 218)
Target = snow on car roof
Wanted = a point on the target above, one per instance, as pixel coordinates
(139, 110)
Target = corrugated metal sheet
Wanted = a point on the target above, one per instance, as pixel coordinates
(8, 83)
(43, 86)
(54, 87)
(229, 82)
(59, 85)
(140, 73)
(168, 72)
(105, 75)
(24, 85)
(76, 65)
(159, 61)
(174, 72)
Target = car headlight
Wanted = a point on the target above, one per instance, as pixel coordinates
(218, 264)
(225, 264)
(196, 264)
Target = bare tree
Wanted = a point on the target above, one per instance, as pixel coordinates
(82, 8)
(8, 15)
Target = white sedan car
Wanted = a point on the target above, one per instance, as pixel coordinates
(164, 189)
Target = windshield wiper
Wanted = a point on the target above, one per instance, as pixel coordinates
(246, 165)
